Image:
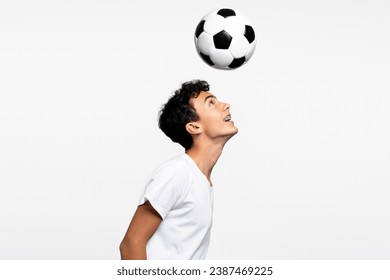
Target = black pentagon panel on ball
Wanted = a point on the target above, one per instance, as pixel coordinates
(237, 62)
(226, 13)
(222, 40)
(249, 33)
(199, 28)
(206, 59)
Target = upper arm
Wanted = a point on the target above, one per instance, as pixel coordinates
(165, 187)
(142, 227)
(144, 224)
(162, 190)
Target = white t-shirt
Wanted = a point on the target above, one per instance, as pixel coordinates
(183, 197)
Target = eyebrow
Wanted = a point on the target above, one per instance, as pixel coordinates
(209, 96)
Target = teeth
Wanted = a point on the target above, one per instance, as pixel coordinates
(228, 118)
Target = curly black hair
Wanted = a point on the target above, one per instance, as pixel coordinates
(177, 112)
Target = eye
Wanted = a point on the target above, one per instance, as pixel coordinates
(212, 101)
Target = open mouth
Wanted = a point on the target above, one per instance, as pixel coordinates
(227, 118)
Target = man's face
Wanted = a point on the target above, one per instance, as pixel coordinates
(215, 120)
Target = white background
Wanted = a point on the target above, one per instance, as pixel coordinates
(81, 83)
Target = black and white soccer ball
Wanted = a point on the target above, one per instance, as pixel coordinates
(225, 39)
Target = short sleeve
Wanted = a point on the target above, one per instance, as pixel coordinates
(165, 187)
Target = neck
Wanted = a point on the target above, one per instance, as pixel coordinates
(205, 157)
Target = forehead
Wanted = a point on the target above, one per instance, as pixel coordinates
(203, 95)
(200, 99)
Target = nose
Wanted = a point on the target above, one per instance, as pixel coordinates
(226, 106)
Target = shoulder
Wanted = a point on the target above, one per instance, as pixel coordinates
(177, 163)
(174, 167)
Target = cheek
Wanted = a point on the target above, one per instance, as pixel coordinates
(210, 115)
(209, 121)
(213, 117)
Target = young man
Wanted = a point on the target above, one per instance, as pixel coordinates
(174, 216)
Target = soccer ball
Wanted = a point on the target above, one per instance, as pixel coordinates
(224, 39)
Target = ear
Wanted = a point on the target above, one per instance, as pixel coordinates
(193, 128)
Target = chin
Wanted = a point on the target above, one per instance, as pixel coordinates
(235, 128)
(234, 131)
